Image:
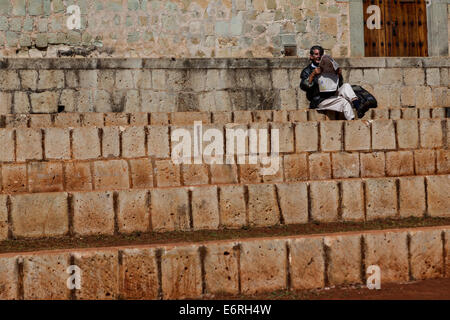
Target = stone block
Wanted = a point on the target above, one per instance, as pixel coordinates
(139, 119)
(78, 176)
(286, 136)
(381, 198)
(433, 77)
(407, 134)
(383, 135)
(195, 174)
(424, 162)
(158, 141)
(205, 208)
(50, 79)
(9, 285)
(391, 76)
(29, 144)
(357, 135)
(295, 167)
(293, 200)
(324, 197)
(262, 205)
(409, 114)
(372, 164)
(306, 136)
(188, 118)
(223, 173)
(167, 173)
(93, 213)
(345, 165)
(50, 220)
(331, 135)
(111, 174)
(116, 119)
(133, 211)
(45, 277)
(141, 173)
(133, 142)
(110, 142)
(221, 269)
(443, 161)
(412, 197)
(64, 120)
(307, 264)
(14, 178)
(100, 274)
(232, 206)
(159, 118)
(45, 177)
(280, 116)
(85, 143)
(3, 218)
(352, 200)
(344, 266)
(263, 266)
(319, 166)
(426, 249)
(389, 251)
(438, 196)
(181, 273)
(413, 76)
(169, 209)
(57, 143)
(399, 163)
(430, 133)
(45, 102)
(298, 116)
(7, 143)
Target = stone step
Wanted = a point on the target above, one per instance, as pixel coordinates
(214, 207)
(238, 266)
(63, 120)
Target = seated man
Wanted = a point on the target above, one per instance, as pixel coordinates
(340, 100)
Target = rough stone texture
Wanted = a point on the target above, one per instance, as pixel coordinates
(344, 266)
(383, 135)
(223, 173)
(232, 206)
(295, 167)
(430, 133)
(331, 135)
(352, 200)
(262, 205)
(139, 274)
(181, 273)
(319, 166)
(263, 266)
(167, 173)
(381, 198)
(426, 249)
(324, 201)
(438, 195)
(111, 174)
(399, 163)
(407, 134)
(45, 177)
(29, 144)
(389, 251)
(57, 143)
(45, 277)
(3, 218)
(443, 161)
(7, 142)
(293, 199)
(357, 135)
(194, 174)
(50, 220)
(133, 211)
(14, 178)
(306, 137)
(93, 213)
(205, 208)
(169, 209)
(85, 143)
(141, 173)
(8, 278)
(158, 141)
(78, 176)
(307, 265)
(133, 142)
(100, 274)
(412, 197)
(110, 142)
(221, 269)
(286, 136)
(345, 165)
(424, 162)
(372, 164)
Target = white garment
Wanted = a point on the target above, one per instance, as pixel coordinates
(340, 103)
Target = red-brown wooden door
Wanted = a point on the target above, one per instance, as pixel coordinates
(403, 29)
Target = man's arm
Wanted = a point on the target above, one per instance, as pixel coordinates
(307, 79)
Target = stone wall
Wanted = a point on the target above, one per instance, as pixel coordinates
(179, 28)
(165, 85)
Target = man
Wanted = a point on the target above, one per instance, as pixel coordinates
(340, 100)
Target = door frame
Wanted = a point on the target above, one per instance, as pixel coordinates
(437, 31)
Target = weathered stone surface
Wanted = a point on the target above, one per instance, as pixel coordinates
(232, 206)
(141, 173)
(383, 135)
(331, 135)
(412, 196)
(286, 136)
(438, 195)
(29, 144)
(306, 136)
(352, 200)
(57, 143)
(8, 278)
(389, 251)
(85, 143)
(133, 142)
(223, 173)
(78, 176)
(221, 269)
(344, 266)
(49, 221)
(93, 213)
(195, 174)
(45, 277)
(293, 199)
(14, 178)
(181, 273)
(443, 161)
(307, 265)
(7, 142)
(110, 142)
(169, 209)
(45, 177)
(424, 162)
(262, 205)
(133, 211)
(3, 218)
(100, 274)
(407, 134)
(399, 163)
(205, 208)
(372, 164)
(263, 266)
(139, 274)
(167, 173)
(324, 201)
(426, 249)
(111, 174)
(319, 166)
(295, 167)
(158, 141)
(345, 165)
(381, 198)
(357, 135)
(430, 133)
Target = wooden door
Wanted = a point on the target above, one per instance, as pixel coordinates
(403, 31)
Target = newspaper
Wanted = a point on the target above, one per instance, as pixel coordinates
(328, 79)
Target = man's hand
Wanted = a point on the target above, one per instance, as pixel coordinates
(316, 72)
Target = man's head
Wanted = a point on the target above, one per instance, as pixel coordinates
(315, 54)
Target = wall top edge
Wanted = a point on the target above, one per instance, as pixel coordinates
(212, 63)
